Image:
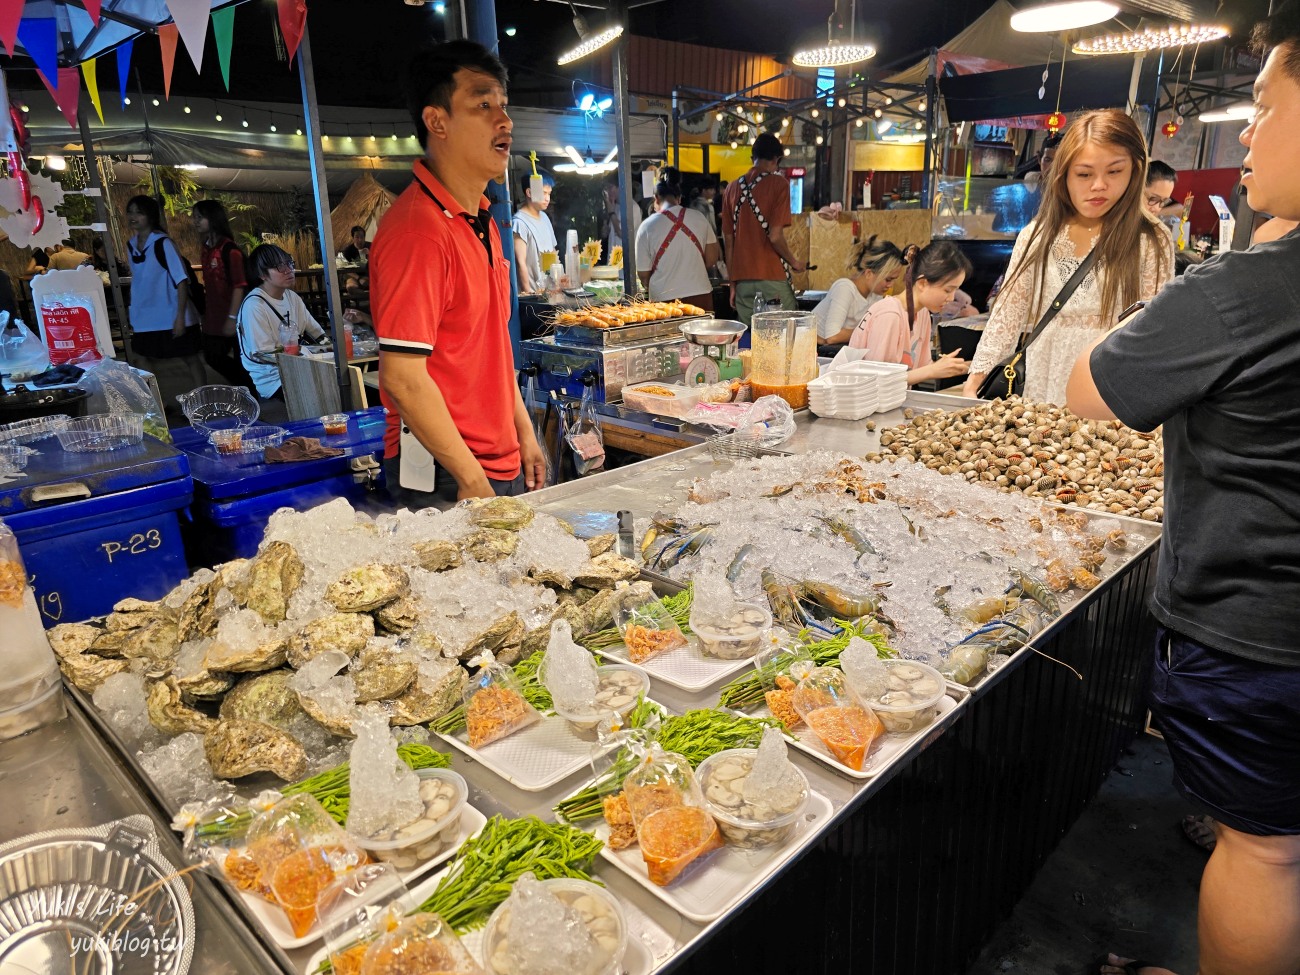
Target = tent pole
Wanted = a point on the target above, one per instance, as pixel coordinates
(631, 282)
(320, 191)
(101, 211)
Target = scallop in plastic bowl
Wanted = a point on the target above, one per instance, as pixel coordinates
(593, 903)
(616, 693)
(437, 827)
(744, 824)
(740, 637)
(912, 700)
(211, 408)
(102, 431)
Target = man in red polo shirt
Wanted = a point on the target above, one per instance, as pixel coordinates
(440, 293)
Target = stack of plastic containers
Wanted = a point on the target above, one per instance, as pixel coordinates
(843, 395)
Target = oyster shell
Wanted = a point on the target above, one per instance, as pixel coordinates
(238, 748)
(132, 605)
(509, 629)
(70, 639)
(346, 632)
(155, 644)
(205, 685)
(549, 577)
(490, 544)
(120, 622)
(170, 714)
(508, 514)
(274, 575)
(400, 615)
(381, 674)
(437, 556)
(606, 571)
(538, 638)
(336, 724)
(423, 641)
(111, 644)
(421, 704)
(367, 587)
(246, 660)
(600, 544)
(197, 617)
(598, 612)
(86, 672)
(263, 697)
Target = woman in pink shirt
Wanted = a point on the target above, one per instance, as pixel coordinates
(897, 328)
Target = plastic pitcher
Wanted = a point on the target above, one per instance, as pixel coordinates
(31, 690)
(783, 357)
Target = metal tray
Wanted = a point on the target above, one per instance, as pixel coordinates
(623, 334)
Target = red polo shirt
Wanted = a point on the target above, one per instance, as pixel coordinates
(439, 287)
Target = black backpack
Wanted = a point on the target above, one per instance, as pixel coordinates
(197, 294)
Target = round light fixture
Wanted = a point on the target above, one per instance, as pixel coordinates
(1069, 15)
(1135, 42)
(591, 43)
(820, 140)
(834, 55)
(511, 31)
(1241, 112)
(218, 116)
(815, 113)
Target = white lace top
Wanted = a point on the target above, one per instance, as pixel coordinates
(1049, 361)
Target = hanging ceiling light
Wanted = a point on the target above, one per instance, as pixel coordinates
(587, 166)
(1069, 15)
(835, 53)
(1135, 42)
(591, 43)
(1241, 112)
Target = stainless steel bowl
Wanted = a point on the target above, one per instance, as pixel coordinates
(710, 331)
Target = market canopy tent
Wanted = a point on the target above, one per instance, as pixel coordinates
(362, 206)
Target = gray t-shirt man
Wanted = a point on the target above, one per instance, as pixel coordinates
(1215, 357)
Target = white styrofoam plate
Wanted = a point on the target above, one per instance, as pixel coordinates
(713, 885)
(885, 751)
(687, 668)
(535, 758)
(276, 924)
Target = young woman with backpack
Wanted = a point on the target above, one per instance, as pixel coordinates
(164, 323)
(224, 285)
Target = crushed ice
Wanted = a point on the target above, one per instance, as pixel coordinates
(385, 790)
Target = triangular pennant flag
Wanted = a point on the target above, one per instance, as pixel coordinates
(191, 19)
(11, 12)
(223, 32)
(67, 94)
(167, 37)
(293, 21)
(88, 71)
(123, 69)
(92, 8)
(40, 39)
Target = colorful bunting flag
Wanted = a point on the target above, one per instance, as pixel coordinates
(88, 71)
(11, 12)
(191, 19)
(40, 39)
(223, 32)
(92, 8)
(66, 94)
(167, 38)
(293, 21)
(123, 69)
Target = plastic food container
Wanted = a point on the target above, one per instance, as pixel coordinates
(260, 436)
(211, 408)
(912, 700)
(14, 456)
(664, 399)
(745, 824)
(31, 430)
(601, 914)
(740, 637)
(102, 431)
(227, 441)
(335, 424)
(616, 693)
(444, 794)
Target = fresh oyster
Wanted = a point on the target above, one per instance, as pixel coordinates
(170, 714)
(86, 672)
(273, 577)
(400, 615)
(235, 576)
(508, 514)
(205, 685)
(263, 697)
(422, 704)
(238, 748)
(197, 617)
(381, 674)
(606, 571)
(70, 639)
(346, 632)
(423, 641)
(537, 638)
(246, 660)
(598, 612)
(132, 605)
(437, 556)
(155, 644)
(600, 544)
(336, 723)
(118, 622)
(507, 630)
(367, 587)
(111, 644)
(546, 576)
(490, 544)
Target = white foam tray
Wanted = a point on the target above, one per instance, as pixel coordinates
(687, 668)
(276, 924)
(710, 887)
(542, 755)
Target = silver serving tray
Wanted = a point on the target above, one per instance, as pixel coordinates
(621, 334)
(95, 901)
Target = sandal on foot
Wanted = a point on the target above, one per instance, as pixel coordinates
(1134, 967)
(1200, 831)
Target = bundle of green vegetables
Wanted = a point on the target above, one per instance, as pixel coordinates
(678, 604)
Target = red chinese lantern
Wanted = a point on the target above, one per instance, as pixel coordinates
(1055, 122)
(1170, 129)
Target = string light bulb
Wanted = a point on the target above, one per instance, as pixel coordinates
(842, 102)
(298, 131)
(156, 103)
(186, 109)
(244, 120)
(820, 140)
(815, 113)
(218, 116)
(858, 123)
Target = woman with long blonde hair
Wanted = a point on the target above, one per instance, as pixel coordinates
(1092, 201)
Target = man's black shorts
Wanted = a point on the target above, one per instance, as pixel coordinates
(1233, 730)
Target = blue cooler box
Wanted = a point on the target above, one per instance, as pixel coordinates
(235, 494)
(97, 527)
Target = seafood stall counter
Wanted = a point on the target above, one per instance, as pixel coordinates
(908, 859)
